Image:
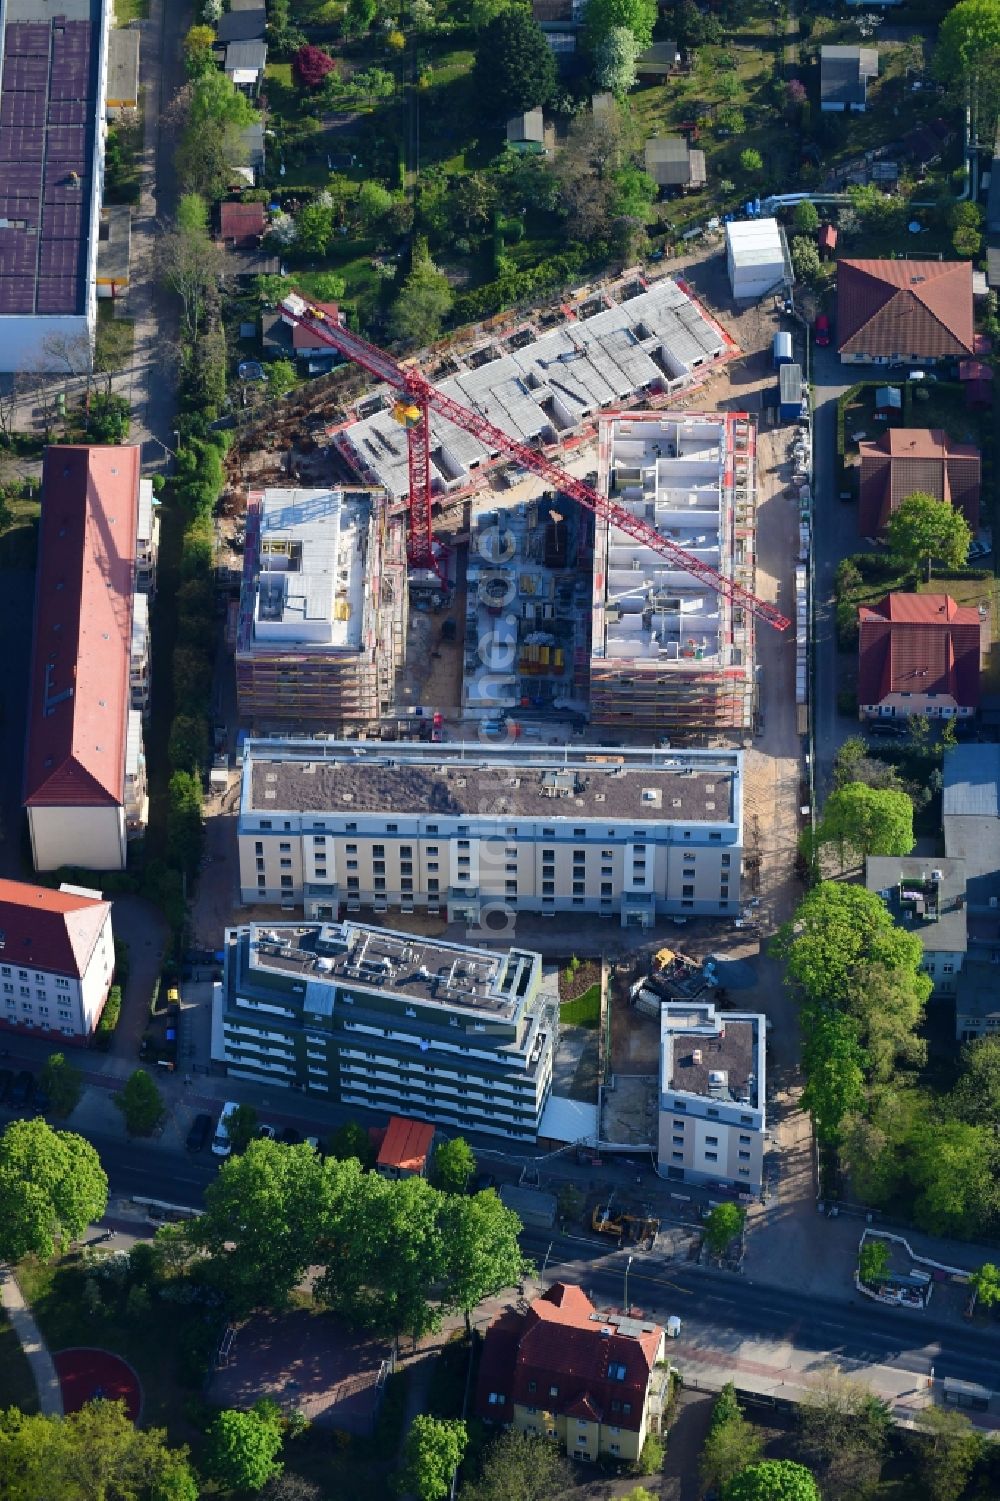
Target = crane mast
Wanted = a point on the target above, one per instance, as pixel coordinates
(417, 397)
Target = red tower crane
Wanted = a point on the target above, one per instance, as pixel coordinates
(418, 398)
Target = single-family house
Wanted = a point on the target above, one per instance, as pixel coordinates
(526, 132)
(893, 311)
(843, 77)
(405, 1149)
(918, 654)
(671, 163)
(248, 25)
(241, 225)
(284, 340)
(244, 65)
(658, 61)
(565, 1371)
(907, 459)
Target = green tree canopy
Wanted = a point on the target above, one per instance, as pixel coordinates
(986, 1284)
(837, 933)
(482, 1255)
(953, 1166)
(722, 1225)
(141, 1103)
(732, 1443)
(514, 68)
(352, 1140)
(948, 1449)
(845, 1433)
(281, 377)
(602, 17)
(96, 1454)
(62, 1083)
(431, 1454)
(453, 1165)
(614, 61)
(242, 1127)
(520, 1467)
(806, 217)
(867, 821)
(976, 1096)
(52, 1186)
(967, 58)
(924, 530)
(423, 303)
(833, 1063)
(243, 1447)
(873, 1262)
(773, 1480)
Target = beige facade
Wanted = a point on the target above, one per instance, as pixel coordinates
(93, 838)
(582, 1438)
(632, 836)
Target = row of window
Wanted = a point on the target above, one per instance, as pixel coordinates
(60, 981)
(267, 824)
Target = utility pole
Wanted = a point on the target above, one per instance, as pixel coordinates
(627, 1265)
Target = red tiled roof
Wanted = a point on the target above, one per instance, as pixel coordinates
(302, 339)
(906, 459)
(243, 223)
(910, 309)
(919, 644)
(405, 1144)
(78, 719)
(560, 1358)
(50, 930)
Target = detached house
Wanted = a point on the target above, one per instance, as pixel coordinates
(671, 163)
(565, 1371)
(907, 459)
(918, 654)
(893, 311)
(843, 77)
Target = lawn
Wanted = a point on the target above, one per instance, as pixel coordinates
(130, 10)
(19, 543)
(584, 1011)
(17, 1385)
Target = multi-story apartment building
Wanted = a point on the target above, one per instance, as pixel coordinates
(474, 830)
(139, 667)
(927, 898)
(147, 538)
(440, 1031)
(712, 1092)
(57, 957)
(84, 780)
(565, 1371)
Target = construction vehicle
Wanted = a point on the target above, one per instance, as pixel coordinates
(417, 398)
(604, 1222)
(632, 1228)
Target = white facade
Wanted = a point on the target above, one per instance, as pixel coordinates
(93, 838)
(64, 994)
(756, 257)
(147, 539)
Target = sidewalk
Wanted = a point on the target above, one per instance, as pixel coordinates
(42, 1368)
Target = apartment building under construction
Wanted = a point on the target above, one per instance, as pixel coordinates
(322, 623)
(668, 654)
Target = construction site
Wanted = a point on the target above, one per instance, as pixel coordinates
(323, 609)
(669, 652)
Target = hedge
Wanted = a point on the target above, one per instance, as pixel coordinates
(109, 1018)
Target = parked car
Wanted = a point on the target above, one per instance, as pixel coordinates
(978, 550)
(22, 1090)
(290, 1136)
(887, 727)
(201, 1130)
(821, 331)
(266, 1132)
(6, 1080)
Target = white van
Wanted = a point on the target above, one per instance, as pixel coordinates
(221, 1145)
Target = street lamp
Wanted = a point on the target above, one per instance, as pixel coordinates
(627, 1265)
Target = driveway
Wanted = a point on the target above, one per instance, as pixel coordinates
(836, 537)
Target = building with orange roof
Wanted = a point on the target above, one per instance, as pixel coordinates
(909, 459)
(56, 959)
(890, 311)
(918, 654)
(405, 1149)
(565, 1371)
(84, 775)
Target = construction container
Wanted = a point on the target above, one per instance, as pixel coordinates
(781, 349)
(789, 392)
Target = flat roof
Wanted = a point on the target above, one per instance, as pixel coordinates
(552, 383)
(714, 1055)
(406, 1144)
(49, 107)
(123, 67)
(452, 976)
(310, 580)
(453, 780)
(926, 895)
(749, 239)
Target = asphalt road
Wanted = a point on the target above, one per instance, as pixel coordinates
(720, 1310)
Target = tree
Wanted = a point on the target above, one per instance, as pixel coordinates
(569, 1203)
(372, 203)
(431, 1454)
(198, 45)
(650, 1460)
(187, 749)
(423, 303)
(514, 68)
(845, 1434)
(953, 1168)
(96, 1454)
(109, 417)
(587, 169)
(602, 17)
(352, 1140)
(113, 345)
(314, 228)
(243, 1447)
(773, 1480)
(520, 1467)
(184, 808)
(875, 209)
(836, 931)
(986, 1284)
(52, 1186)
(614, 61)
(454, 1164)
(141, 1103)
(281, 378)
(805, 258)
(481, 1254)
(241, 1127)
(693, 28)
(923, 529)
(948, 1449)
(62, 1083)
(360, 16)
(976, 1096)
(806, 217)
(833, 1063)
(311, 65)
(867, 821)
(722, 1225)
(263, 1220)
(873, 1262)
(731, 1444)
(752, 162)
(190, 263)
(966, 59)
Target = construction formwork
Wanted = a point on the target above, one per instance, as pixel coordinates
(284, 685)
(670, 656)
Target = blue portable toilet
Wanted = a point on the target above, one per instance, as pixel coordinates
(790, 392)
(781, 349)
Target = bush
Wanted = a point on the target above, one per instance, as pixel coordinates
(651, 1458)
(311, 65)
(109, 1018)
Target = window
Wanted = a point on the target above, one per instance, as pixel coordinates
(744, 1172)
(406, 883)
(258, 849)
(497, 1399)
(615, 1448)
(392, 828)
(532, 1386)
(579, 888)
(626, 1408)
(432, 884)
(711, 1141)
(605, 888)
(284, 847)
(548, 888)
(553, 1391)
(711, 1156)
(378, 851)
(711, 1111)
(352, 864)
(746, 1120)
(286, 883)
(678, 1141)
(265, 823)
(406, 851)
(687, 891)
(432, 828)
(378, 883)
(717, 837)
(744, 1156)
(616, 1373)
(744, 1140)
(432, 850)
(463, 844)
(319, 839)
(510, 887)
(351, 849)
(286, 862)
(353, 884)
